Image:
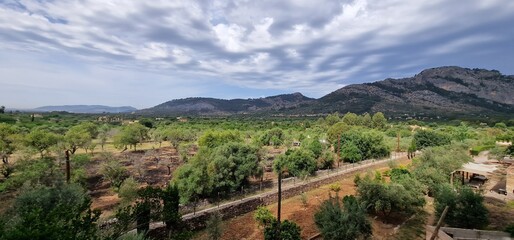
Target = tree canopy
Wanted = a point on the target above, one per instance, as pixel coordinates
(466, 208)
(60, 212)
(343, 219)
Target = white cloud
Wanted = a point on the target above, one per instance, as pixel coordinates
(288, 45)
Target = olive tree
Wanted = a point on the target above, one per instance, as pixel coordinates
(131, 135)
(343, 219)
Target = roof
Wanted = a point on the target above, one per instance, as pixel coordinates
(482, 169)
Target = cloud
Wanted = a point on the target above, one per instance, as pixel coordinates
(278, 46)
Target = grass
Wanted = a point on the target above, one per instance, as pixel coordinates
(510, 204)
(413, 228)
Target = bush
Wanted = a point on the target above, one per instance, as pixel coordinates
(344, 219)
(288, 231)
(326, 160)
(263, 216)
(477, 149)
(214, 229)
(510, 229)
(128, 191)
(113, 171)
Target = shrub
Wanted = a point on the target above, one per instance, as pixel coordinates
(263, 216)
(288, 231)
(344, 219)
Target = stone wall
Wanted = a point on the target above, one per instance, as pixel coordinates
(234, 209)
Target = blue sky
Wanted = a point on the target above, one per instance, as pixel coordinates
(142, 53)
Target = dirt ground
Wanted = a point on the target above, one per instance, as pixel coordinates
(148, 169)
(245, 227)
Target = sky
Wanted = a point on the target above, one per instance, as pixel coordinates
(143, 53)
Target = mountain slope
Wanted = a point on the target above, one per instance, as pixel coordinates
(85, 109)
(437, 91)
(443, 91)
(213, 106)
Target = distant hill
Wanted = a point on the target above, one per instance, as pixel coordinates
(85, 109)
(442, 91)
(213, 106)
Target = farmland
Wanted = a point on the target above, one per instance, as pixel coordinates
(125, 172)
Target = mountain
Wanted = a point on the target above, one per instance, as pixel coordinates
(443, 91)
(213, 106)
(85, 109)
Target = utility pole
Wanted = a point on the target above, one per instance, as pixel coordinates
(398, 142)
(339, 149)
(439, 223)
(279, 200)
(68, 170)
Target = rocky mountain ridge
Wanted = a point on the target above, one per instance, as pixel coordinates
(442, 91)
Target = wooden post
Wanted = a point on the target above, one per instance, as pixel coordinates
(398, 142)
(279, 201)
(279, 195)
(68, 170)
(339, 149)
(439, 223)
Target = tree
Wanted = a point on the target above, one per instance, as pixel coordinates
(366, 120)
(231, 166)
(359, 143)
(297, 162)
(8, 140)
(214, 223)
(326, 160)
(335, 131)
(315, 146)
(41, 140)
(332, 119)
(273, 137)
(170, 209)
(103, 135)
(378, 121)
(403, 197)
(159, 135)
(114, 173)
(131, 135)
(435, 165)
(213, 139)
(2, 109)
(152, 204)
(343, 219)
(466, 208)
(351, 119)
(58, 212)
(77, 137)
(350, 152)
(192, 179)
(176, 136)
(426, 138)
